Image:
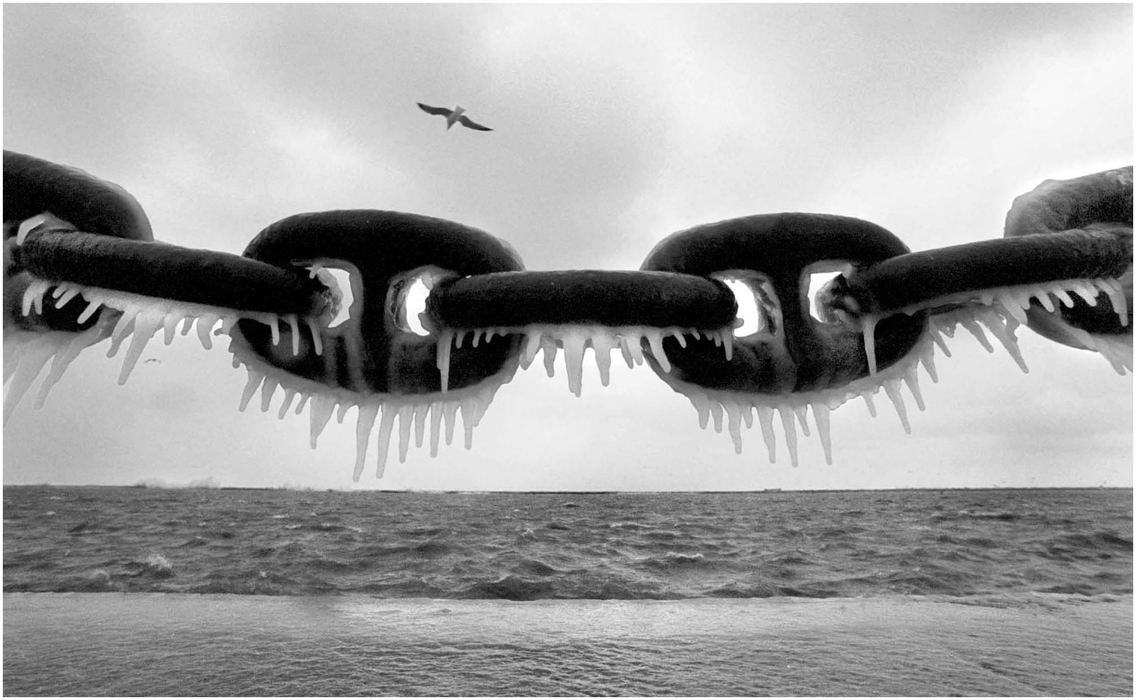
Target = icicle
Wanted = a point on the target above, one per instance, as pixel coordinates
(574, 359)
(716, 413)
(289, 395)
(405, 416)
(891, 387)
(868, 329)
(532, 345)
(633, 343)
(803, 418)
(1115, 294)
(548, 346)
(364, 423)
(275, 326)
(734, 414)
(435, 425)
(867, 396)
(341, 412)
(1012, 307)
(449, 412)
(911, 378)
(655, 341)
(971, 325)
(1086, 291)
(205, 328)
(820, 415)
(469, 419)
(927, 357)
(626, 352)
(92, 307)
(728, 344)
(32, 360)
(169, 324)
(317, 338)
(787, 419)
(267, 391)
(602, 345)
(765, 417)
(746, 414)
(1022, 298)
(1063, 296)
(294, 330)
(1005, 335)
(936, 336)
(63, 360)
(65, 293)
(702, 405)
(320, 414)
(420, 411)
(254, 379)
(33, 297)
(442, 355)
(385, 428)
(145, 325)
(122, 328)
(1043, 297)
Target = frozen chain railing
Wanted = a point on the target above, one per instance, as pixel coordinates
(413, 318)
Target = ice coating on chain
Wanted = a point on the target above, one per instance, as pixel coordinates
(1001, 310)
(411, 410)
(121, 316)
(731, 408)
(575, 339)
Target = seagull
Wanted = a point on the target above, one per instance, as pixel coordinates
(453, 116)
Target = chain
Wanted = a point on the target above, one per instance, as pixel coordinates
(1064, 269)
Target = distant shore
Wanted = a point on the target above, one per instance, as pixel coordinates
(568, 493)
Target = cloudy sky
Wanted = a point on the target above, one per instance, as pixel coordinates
(614, 126)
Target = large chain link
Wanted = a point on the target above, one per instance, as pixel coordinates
(69, 234)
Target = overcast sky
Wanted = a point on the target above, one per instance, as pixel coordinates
(614, 126)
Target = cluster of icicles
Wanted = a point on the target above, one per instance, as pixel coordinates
(1000, 311)
(574, 339)
(412, 410)
(123, 315)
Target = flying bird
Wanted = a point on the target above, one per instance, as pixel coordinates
(453, 116)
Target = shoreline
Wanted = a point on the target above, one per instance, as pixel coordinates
(219, 644)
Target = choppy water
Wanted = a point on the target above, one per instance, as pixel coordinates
(568, 546)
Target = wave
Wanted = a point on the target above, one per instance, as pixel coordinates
(596, 546)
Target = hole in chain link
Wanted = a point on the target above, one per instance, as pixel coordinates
(818, 282)
(342, 279)
(415, 304)
(406, 300)
(758, 310)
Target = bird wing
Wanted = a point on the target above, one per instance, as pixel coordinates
(466, 121)
(442, 111)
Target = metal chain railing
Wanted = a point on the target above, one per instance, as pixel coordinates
(1064, 268)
